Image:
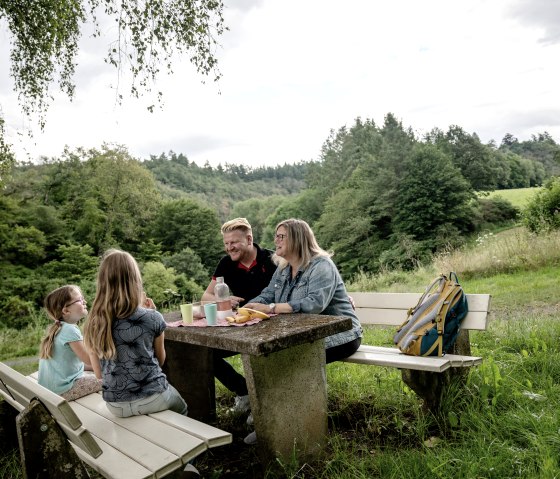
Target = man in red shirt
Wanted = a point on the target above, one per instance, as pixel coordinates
(247, 269)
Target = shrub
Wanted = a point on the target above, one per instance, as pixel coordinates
(496, 211)
(543, 211)
(16, 312)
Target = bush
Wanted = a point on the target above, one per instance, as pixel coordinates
(16, 312)
(496, 211)
(543, 211)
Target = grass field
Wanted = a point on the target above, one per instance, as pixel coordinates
(518, 196)
(504, 423)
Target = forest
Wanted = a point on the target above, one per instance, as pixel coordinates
(378, 197)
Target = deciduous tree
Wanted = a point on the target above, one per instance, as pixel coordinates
(44, 38)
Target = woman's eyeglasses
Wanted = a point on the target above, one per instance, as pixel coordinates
(79, 300)
(280, 237)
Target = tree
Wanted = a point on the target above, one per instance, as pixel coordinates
(541, 149)
(433, 203)
(45, 35)
(186, 223)
(7, 158)
(356, 221)
(257, 211)
(187, 262)
(542, 212)
(475, 160)
(110, 197)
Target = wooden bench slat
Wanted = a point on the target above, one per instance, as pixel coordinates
(212, 436)
(114, 464)
(475, 320)
(19, 390)
(403, 301)
(390, 309)
(139, 447)
(150, 455)
(82, 439)
(28, 389)
(180, 442)
(12, 397)
(400, 361)
(456, 360)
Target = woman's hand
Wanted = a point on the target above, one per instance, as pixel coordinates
(263, 308)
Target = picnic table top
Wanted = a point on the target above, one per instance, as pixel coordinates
(268, 336)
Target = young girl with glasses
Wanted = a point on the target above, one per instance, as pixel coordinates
(63, 357)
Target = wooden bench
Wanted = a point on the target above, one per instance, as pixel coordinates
(427, 376)
(149, 446)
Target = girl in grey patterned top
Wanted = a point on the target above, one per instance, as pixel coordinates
(126, 342)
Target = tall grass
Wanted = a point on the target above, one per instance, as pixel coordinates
(511, 250)
(22, 342)
(491, 254)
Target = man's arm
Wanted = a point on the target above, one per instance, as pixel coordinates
(209, 295)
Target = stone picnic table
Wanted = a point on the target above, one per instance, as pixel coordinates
(284, 365)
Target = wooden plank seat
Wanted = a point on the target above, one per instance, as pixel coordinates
(425, 375)
(147, 446)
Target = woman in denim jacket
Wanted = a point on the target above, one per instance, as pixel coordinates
(307, 281)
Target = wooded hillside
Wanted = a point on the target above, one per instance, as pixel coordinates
(378, 197)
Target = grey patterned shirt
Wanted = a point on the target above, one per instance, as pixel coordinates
(135, 372)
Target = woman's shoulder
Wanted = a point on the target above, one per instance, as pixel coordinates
(322, 261)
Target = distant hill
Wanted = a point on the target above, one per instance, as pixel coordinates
(221, 187)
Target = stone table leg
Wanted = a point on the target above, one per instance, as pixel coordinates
(190, 370)
(288, 395)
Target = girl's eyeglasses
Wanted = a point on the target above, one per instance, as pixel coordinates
(79, 300)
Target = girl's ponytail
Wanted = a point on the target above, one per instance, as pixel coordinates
(54, 304)
(48, 340)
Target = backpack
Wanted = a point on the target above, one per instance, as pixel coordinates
(432, 325)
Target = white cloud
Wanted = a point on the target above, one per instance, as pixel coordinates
(293, 70)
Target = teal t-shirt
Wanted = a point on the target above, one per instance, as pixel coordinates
(60, 371)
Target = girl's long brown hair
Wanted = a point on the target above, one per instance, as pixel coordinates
(118, 295)
(54, 304)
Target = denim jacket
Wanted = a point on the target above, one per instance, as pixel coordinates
(317, 289)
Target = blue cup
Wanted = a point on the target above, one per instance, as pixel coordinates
(211, 312)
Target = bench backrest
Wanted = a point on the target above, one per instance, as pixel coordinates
(18, 391)
(390, 309)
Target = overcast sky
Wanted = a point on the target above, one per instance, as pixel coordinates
(295, 69)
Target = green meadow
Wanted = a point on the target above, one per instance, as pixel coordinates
(517, 196)
(503, 423)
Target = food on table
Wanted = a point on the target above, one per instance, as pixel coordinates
(253, 313)
(246, 314)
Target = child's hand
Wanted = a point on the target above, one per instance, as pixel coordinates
(148, 303)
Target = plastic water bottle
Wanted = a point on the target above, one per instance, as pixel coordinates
(223, 299)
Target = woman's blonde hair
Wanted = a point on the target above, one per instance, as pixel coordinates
(300, 242)
(54, 303)
(118, 295)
